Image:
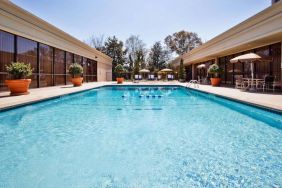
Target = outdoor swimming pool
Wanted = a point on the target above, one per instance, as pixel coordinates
(140, 137)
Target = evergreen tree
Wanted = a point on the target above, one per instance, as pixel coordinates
(181, 71)
(114, 49)
(158, 57)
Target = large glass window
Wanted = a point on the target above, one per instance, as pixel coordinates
(59, 67)
(238, 67)
(6, 55)
(91, 70)
(27, 53)
(77, 59)
(84, 64)
(229, 70)
(276, 61)
(262, 68)
(221, 63)
(69, 61)
(46, 68)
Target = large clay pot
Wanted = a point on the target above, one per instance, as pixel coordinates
(119, 80)
(215, 81)
(18, 87)
(77, 81)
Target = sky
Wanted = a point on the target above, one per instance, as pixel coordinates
(152, 20)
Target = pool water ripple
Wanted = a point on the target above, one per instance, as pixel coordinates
(100, 139)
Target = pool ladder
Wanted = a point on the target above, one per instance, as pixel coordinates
(195, 83)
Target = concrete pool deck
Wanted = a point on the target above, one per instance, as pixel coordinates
(268, 100)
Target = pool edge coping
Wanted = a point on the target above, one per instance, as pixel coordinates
(263, 107)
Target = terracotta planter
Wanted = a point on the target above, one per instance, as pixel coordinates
(77, 81)
(215, 81)
(18, 87)
(119, 80)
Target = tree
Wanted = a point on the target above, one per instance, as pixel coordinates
(135, 49)
(181, 72)
(97, 42)
(158, 57)
(182, 42)
(139, 62)
(114, 49)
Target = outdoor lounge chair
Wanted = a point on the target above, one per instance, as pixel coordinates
(136, 78)
(151, 77)
(168, 77)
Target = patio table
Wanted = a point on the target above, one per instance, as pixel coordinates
(253, 83)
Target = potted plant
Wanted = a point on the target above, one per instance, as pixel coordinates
(181, 72)
(215, 71)
(18, 84)
(76, 70)
(119, 70)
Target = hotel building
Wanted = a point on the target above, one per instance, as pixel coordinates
(29, 39)
(260, 34)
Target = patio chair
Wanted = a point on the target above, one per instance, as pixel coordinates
(139, 77)
(239, 83)
(136, 78)
(168, 77)
(200, 80)
(268, 83)
(151, 77)
(206, 80)
(159, 77)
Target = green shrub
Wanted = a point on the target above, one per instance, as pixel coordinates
(215, 70)
(19, 70)
(119, 70)
(75, 70)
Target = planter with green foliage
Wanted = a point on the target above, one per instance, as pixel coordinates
(119, 70)
(215, 71)
(76, 71)
(181, 72)
(18, 72)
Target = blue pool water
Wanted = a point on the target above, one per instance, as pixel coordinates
(140, 137)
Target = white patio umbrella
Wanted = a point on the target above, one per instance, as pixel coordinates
(144, 71)
(166, 70)
(201, 66)
(250, 57)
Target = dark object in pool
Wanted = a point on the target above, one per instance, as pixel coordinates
(123, 96)
(147, 96)
(159, 96)
(153, 96)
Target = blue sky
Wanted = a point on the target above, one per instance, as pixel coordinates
(152, 20)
